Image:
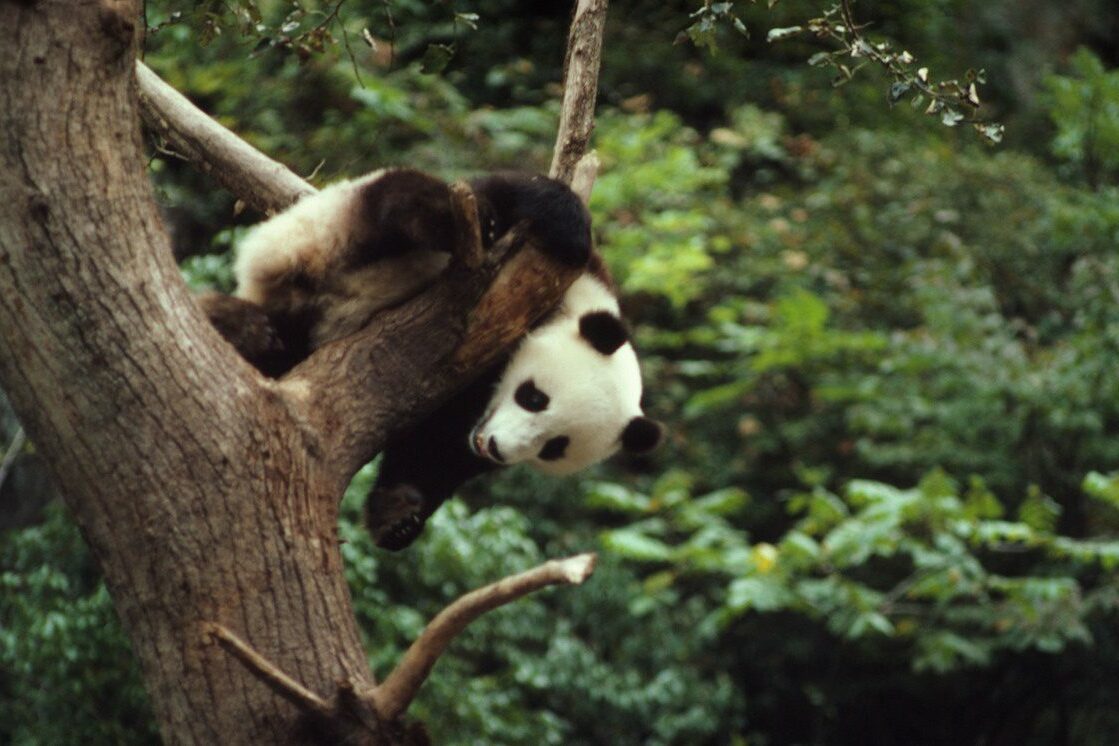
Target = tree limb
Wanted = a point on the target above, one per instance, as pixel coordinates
(268, 672)
(580, 87)
(586, 171)
(398, 690)
(251, 176)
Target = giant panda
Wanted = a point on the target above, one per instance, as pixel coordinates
(568, 395)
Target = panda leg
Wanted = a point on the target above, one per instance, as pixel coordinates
(249, 329)
(421, 469)
(558, 219)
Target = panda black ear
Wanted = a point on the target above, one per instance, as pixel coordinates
(603, 331)
(642, 435)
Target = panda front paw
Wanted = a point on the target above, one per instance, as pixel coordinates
(395, 516)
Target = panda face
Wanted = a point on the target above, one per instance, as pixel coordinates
(571, 394)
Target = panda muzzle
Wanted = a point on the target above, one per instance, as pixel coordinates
(486, 448)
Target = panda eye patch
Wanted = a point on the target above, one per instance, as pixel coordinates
(555, 448)
(531, 398)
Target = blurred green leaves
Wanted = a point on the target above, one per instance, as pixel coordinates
(1084, 106)
(916, 565)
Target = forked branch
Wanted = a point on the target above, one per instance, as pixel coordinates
(391, 699)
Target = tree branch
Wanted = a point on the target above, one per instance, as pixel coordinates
(586, 171)
(267, 672)
(251, 176)
(398, 690)
(580, 87)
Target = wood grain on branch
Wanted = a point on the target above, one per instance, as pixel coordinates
(251, 176)
(580, 87)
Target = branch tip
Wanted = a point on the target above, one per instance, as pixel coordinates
(577, 569)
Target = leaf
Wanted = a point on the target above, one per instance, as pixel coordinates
(632, 544)
(992, 133)
(950, 117)
(722, 502)
(470, 19)
(898, 91)
(436, 58)
(615, 497)
(1039, 511)
(779, 34)
(1104, 488)
(758, 594)
(870, 621)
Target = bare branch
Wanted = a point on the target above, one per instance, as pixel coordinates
(267, 672)
(586, 171)
(394, 695)
(580, 87)
(251, 176)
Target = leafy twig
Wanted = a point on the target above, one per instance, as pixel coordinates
(953, 101)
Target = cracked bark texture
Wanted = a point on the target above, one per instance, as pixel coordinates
(188, 477)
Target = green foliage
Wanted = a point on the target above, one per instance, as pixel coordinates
(917, 566)
(67, 675)
(1084, 107)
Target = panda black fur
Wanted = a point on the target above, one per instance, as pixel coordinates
(568, 395)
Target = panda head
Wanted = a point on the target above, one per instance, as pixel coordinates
(571, 394)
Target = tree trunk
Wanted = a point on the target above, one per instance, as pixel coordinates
(189, 478)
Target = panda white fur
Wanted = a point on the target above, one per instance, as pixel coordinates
(567, 397)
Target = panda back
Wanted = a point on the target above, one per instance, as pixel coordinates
(311, 262)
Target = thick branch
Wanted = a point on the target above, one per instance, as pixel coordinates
(580, 87)
(394, 695)
(251, 176)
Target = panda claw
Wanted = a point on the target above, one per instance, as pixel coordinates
(401, 533)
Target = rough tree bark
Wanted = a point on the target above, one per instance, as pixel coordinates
(208, 494)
